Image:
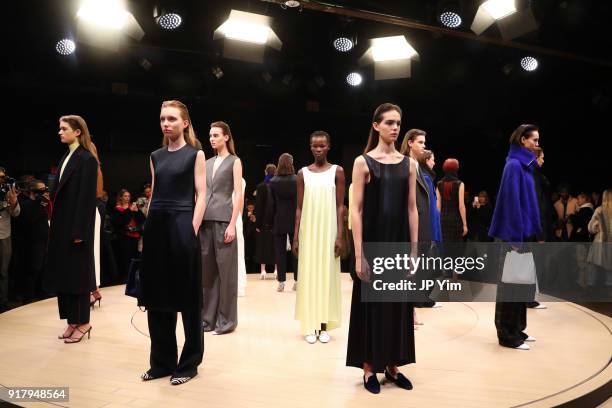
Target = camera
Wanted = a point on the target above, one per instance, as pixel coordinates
(141, 202)
(6, 184)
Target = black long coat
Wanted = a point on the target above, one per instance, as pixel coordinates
(284, 191)
(70, 266)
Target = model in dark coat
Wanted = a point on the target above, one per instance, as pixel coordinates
(70, 266)
(264, 213)
(70, 271)
(284, 193)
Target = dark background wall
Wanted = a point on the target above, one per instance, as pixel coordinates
(468, 96)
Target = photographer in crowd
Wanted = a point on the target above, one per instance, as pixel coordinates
(127, 224)
(9, 207)
(35, 223)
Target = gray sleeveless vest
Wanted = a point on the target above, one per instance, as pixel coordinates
(219, 190)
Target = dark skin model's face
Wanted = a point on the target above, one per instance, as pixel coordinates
(319, 148)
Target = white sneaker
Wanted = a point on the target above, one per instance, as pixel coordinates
(436, 305)
(541, 306)
(530, 338)
(311, 338)
(281, 287)
(523, 347)
(324, 337)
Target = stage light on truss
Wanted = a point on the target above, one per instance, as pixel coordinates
(354, 79)
(343, 44)
(246, 36)
(104, 13)
(391, 56)
(529, 64)
(248, 27)
(392, 48)
(102, 23)
(166, 19)
(511, 21)
(65, 46)
(499, 9)
(450, 19)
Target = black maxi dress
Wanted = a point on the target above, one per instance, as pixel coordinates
(382, 334)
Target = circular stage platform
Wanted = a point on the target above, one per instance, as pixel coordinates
(265, 363)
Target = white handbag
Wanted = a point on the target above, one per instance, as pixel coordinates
(519, 268)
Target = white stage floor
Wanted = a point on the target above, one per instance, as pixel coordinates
(266, 363)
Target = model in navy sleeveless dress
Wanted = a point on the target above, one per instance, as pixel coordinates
(170, 277)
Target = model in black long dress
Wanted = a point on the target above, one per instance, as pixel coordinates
(171, 276)
(382, 334)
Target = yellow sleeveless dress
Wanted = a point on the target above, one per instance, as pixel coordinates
(318, 291)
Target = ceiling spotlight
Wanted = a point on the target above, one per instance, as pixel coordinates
(292, 3)
(246, 27)
(65, 46)
(343, 44)
(450, 19)
(529, 64)
(511, 21)
(246, 36)
(217, 72)
(170, 21)
(392, 48)
(105, 13)
(354, 79)
(499, 9)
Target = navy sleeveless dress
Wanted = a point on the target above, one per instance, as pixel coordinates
(382, 334)
(170, 275)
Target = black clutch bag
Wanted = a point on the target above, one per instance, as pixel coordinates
(132, 286)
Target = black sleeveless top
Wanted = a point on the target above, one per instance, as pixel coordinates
(385, 202)
(174, 187)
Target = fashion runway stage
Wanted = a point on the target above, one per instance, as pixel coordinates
(266, 363)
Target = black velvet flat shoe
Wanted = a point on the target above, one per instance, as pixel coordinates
(372, 384)
(401, 381)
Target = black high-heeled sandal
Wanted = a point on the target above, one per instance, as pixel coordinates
(97, 297)
(62, 336)
(72, 340)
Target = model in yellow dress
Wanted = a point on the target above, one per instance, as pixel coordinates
(317, 243)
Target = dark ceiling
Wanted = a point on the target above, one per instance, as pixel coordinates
(467, 94)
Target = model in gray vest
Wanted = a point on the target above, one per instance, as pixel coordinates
(219, 259)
